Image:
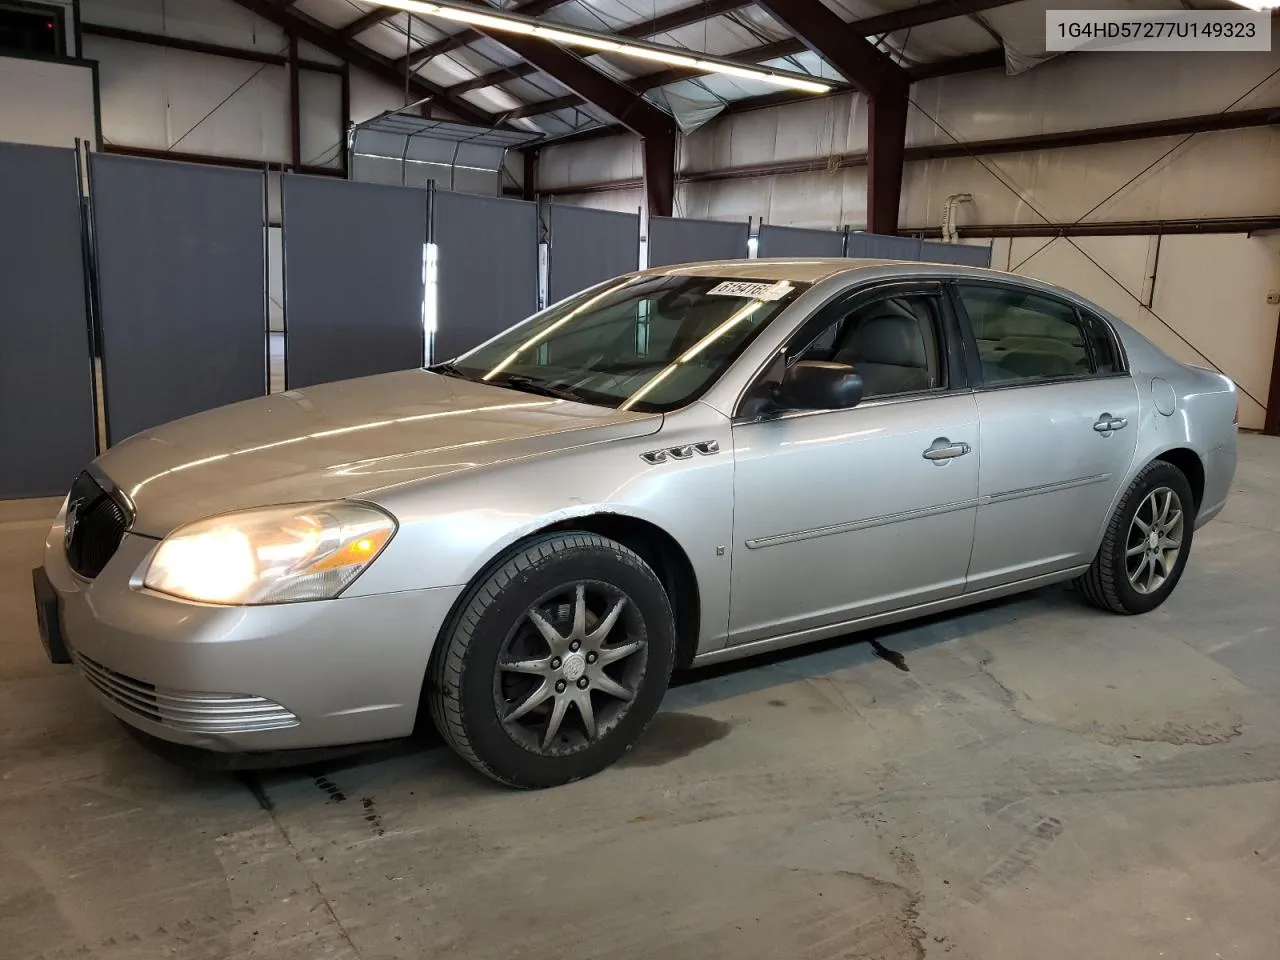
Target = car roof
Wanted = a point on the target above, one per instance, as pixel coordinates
(801, 270)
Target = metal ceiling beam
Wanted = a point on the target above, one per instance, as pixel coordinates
(530, 8)
(673, 20)
(969, 63)
(657, 129)
(869, 69)
(362, 23)
(876, 74)
(358, 55)
(920, 15)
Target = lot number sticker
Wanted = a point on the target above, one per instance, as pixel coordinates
(753, 291)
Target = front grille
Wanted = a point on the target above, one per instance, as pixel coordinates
(190, 712)
(96, 523)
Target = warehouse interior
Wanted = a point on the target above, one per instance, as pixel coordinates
(207, 201)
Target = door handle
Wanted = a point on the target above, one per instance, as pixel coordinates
(944, 449)
(1107, 423)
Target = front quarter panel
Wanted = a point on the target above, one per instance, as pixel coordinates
(451, 529)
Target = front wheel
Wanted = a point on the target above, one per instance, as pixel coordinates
(1146, 544)
(556, 662)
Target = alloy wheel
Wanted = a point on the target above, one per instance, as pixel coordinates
(1155, 540)
(570, 669)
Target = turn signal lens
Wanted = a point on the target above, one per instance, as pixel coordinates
(273, 555)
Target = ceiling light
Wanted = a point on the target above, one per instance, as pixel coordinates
(572, 37)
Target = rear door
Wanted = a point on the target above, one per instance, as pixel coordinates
(1058, 423)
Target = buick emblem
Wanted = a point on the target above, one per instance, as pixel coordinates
(69, 525)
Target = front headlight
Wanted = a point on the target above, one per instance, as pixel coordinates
(271, 555)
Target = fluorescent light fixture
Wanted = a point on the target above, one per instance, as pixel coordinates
(600, 43)
(1259, 5)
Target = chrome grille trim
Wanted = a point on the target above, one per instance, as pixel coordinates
(186, 711)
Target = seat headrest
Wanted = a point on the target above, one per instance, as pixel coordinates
(890, 339)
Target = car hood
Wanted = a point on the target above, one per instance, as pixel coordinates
(344, 439)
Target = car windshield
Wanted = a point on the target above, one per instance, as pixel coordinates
(647, 343)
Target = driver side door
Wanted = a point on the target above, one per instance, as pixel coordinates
(843, 514)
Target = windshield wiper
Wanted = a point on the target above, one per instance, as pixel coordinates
(448, 369)
(519, 381)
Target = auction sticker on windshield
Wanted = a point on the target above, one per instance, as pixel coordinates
(755, 291)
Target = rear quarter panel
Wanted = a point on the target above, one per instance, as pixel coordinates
(1202, 418)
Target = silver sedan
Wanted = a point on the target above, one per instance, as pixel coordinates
(680, 466)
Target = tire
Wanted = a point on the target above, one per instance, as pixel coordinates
(1122, 583)
(562, 656)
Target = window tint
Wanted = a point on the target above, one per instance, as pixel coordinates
(1022, 336)
(891, 343)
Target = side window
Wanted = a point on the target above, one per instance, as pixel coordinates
(1025, 337)
(893, 344)
(1102, 343)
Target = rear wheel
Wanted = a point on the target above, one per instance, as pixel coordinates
(556, 663)
(1146, 544)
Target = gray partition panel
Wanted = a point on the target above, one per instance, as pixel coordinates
(182, 288)
(883, 247)
(969, 254)
(589, 246)
(487, 267)
(46, 386)
(879, 247)
(353, 279)
(799, 242)
(677, 240)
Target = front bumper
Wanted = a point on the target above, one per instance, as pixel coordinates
(247, 679)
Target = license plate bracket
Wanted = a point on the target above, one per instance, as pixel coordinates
(49, 617)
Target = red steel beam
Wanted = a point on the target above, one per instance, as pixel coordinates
(876, 74)
(529, 190)
(919, 15)
(295, 105)
(624, 105)
(660, 173)
(331, 41)
(1110, 228)
(814, 24)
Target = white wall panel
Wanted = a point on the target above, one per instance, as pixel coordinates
(161, 98)
(610, 158)
(820, 200)
(1226, 174)
(1088, 90)
(209, 21)
(56, 105)
(320, 112)
(370, 97)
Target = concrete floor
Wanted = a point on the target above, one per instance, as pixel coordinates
(1043, 781)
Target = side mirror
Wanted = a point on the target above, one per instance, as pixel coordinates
(818, 385)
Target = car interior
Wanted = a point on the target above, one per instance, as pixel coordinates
(892, 344)
(1021, 337)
